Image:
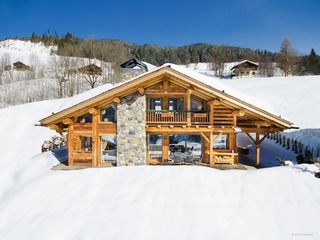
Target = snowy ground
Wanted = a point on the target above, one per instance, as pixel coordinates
(149, 202)
(158, 202)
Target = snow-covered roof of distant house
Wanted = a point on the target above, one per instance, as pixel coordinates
(150, 66)
(245, 61)
(132, 63)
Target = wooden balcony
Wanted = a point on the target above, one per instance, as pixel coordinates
(177, 117)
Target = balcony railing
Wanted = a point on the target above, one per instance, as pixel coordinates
(177, 117)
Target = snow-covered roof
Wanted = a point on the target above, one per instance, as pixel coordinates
(210, 81)
(207, 83)
(217, 84)
(237, 64)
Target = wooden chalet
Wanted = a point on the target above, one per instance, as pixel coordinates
(161, 116)
(19, 66)
(134, 63)
(90, 69)
(132, 68)
(244, 68)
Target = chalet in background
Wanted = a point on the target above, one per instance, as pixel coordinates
(18, 66)
(244, 68)
(132, 68)
(170, 114)
(90, 69)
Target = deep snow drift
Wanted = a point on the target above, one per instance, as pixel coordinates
(148, 202)
(159, 202)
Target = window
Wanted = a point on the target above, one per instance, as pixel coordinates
(109, 149)
(155, 147)
(175, 104)
(87, 118)
(196, 104)
(108, 114)
(86, 143)
(185, 145)
(155, 104)
(221, 142)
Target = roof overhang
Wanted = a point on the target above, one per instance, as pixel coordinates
(150, 78)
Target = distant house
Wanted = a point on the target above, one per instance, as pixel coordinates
(19, 66)
(132, 68)
(168, 114)
(244, 68)
(90, 69)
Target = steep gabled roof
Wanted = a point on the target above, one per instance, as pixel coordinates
(210, 87)
(245, 61)
(21, 66)
(133, 62)
(90, 69)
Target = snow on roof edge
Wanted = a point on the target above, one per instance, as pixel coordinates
(207, 80)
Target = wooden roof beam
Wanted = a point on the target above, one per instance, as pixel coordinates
(254, 123)
(239, 113)
(215, 102)
(68, 121)
(141, 90)
(165, 84)
(116, 100)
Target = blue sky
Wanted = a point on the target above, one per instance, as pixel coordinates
(257, 24)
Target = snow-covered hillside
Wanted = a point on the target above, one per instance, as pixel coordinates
(51, 76)
(25, 51)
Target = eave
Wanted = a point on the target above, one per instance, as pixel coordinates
(146, 80)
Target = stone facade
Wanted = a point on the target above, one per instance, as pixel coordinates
(131, 134)
(128, 73)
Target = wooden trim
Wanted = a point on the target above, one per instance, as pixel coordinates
(54, 127)
(165, 84)
(205, 137)
(92, 111)
(68, 121)
(95, 139)
(116, 100)
(181, 79)
(211, 160)
(141, 90)
(70, 145)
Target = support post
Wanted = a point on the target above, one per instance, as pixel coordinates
(70, 145)
(189, 92)
(211, 113)
(95, 138)
(257, 142)
(211, 150)
(257, 149)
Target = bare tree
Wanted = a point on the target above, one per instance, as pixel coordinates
(90, 70)
(61, 68)
(4, 63)
(266, 66)
(287, 59)
(218, 59)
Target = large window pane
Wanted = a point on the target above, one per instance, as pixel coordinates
(86, 143)
(175, 104)
(87, 118)
(109, 149)
(155, 147)
(221, 142)
(185, 144)
(155, 104)
(108, 114)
